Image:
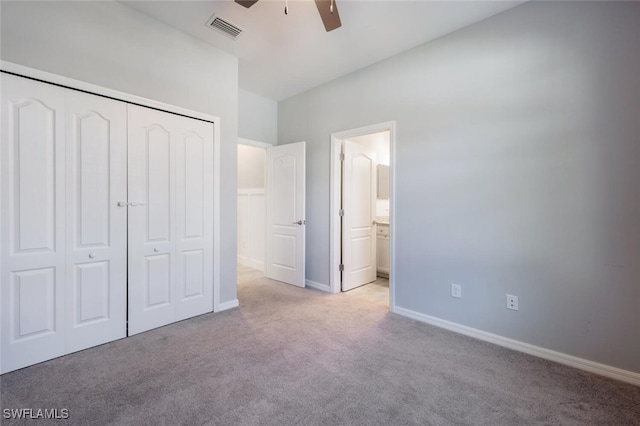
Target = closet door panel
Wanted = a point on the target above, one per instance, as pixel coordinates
(91, 295)
(96, 224)
(151, 218)
(194, 217)
(157, 284)
(158, 188)
(32, 210)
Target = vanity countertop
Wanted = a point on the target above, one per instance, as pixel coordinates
(382, 220)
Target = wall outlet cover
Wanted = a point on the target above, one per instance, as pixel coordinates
(512, 302)
(456, 291)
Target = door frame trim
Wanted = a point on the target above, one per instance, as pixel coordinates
(334, 202)
(82, 86)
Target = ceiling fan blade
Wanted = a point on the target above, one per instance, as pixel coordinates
(330, 20)
(246, 3)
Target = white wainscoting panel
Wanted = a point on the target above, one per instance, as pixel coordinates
(251, 228)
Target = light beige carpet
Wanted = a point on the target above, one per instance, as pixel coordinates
(291, 356)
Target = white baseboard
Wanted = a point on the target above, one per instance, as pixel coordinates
(570, 360)
(228, 305)
(318, 286)
(251, 263)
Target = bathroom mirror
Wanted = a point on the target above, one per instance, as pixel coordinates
(383, 182)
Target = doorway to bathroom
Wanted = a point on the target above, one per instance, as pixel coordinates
(361, 225)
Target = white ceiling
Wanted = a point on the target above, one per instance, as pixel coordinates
(283, 55)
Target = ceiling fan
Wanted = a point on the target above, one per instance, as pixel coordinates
(327, 8)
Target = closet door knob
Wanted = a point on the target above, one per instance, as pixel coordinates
(156, 249)
(134, 204)
(92, 255)
(122, 204)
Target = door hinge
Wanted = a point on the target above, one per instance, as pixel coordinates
(341, 156)
(341, 267)
(341, 212)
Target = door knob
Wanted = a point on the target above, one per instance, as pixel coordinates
(92, 255)
(132, 204)
(156, 249)
(300, 222)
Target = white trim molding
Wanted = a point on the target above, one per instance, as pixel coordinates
(228, 305)
(559, 357)
(322, 287)
(251, 263)
(217, 223)
(70, 83)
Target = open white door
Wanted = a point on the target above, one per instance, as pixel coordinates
(285, 213)
(358, 227)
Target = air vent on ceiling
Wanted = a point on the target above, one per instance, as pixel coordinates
(225, 27)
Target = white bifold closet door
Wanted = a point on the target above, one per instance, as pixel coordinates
(63, 238)
(170, 218)
(96, 221)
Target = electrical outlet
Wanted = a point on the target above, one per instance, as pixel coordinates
(512, 302)
(456, 291)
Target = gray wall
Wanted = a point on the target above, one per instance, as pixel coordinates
(258, 118)
(112, 45)
(517, 171)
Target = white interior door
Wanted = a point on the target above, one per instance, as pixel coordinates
(33, 222)
(286, 213)
(170, 218)
(96, 231)
(359, 207)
